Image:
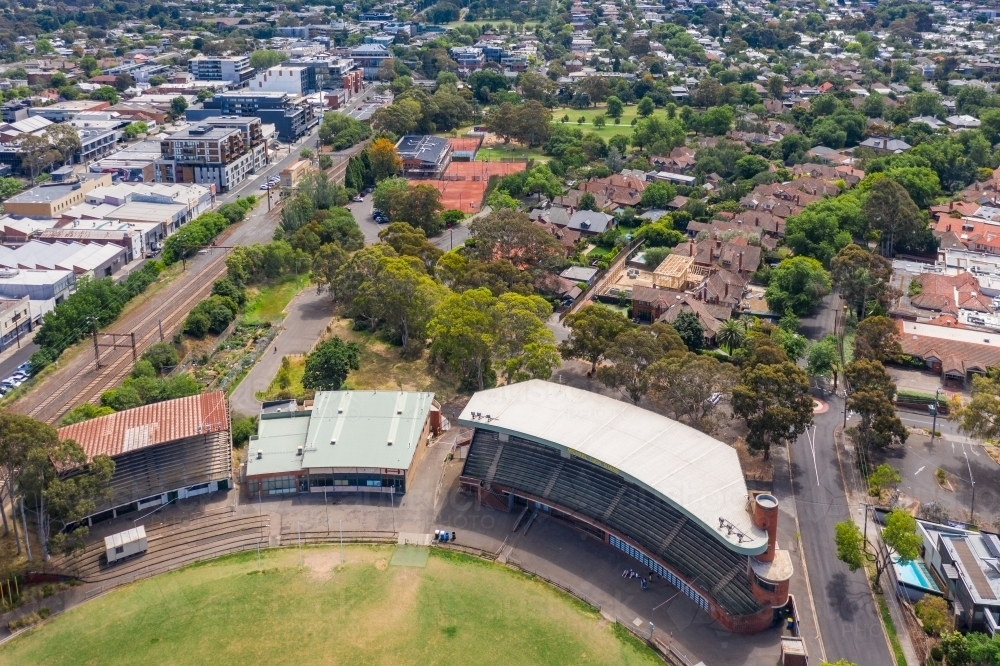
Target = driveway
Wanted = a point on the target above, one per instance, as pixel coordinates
(362, 212)
(308, 316)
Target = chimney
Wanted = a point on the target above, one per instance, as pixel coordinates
(765, 517)
(740, 263)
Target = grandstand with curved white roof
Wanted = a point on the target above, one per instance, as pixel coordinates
(694, 472)
(666, 494)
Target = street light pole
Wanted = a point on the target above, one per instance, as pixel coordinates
(934, 412)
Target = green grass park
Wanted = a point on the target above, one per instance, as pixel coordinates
(379, 606)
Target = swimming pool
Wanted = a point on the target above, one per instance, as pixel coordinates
(914, 574)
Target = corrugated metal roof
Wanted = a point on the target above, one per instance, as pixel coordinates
(692, 471)
(150, 425)
(345, 429)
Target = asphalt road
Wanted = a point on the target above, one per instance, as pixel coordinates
(308, 315)
(846, 613)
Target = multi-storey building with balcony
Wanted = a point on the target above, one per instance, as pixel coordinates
(253, 135)
(291, 115)
(369, 57)
(206, 155)
(233, 69)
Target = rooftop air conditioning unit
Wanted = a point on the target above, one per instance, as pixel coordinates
(260, 453)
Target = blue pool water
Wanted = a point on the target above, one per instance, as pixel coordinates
(915, 574)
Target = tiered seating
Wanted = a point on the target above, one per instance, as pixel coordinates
(590, 490)
(481, 452)
(155, 470)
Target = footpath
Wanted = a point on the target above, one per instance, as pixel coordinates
(308, 316)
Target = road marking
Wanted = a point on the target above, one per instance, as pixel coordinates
(812, 446)
(919, 470)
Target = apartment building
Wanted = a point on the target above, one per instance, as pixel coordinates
(233, 69)
(282, 78)
(291, 115)
(205, 155)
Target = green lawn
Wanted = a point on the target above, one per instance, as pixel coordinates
(501, 152)
(270, 301)
(445, 610)
(296, 370)
(605, 132)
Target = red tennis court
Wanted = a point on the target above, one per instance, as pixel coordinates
(468, 144)
(464, 183)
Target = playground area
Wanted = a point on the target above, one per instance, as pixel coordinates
(464, 183)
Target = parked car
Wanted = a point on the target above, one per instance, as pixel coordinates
(714, 398)
(25, 367)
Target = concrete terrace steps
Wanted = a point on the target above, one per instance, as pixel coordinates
(180, 540)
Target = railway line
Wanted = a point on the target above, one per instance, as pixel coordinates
(80, 382)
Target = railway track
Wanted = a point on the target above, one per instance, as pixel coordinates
(111, 374)
(79, 383)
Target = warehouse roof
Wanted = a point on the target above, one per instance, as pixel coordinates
(344, 429)
(150, 425)
(694, 472)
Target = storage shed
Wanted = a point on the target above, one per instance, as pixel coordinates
(125, 544)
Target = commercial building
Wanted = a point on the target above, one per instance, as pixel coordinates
(49, 200)
(281, 78)
(15, 321)
(235, 69)
(665, 494)
(293, 174)
(162, 452)
(63, 111)
(90, 259)
(424, 156)
(205, 155)
(46, 288)
(292, 116)
(348, 441)
(369, 57)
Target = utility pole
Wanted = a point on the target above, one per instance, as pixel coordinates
(933, 409)
(93, 334)
(159, 323)
(135, 359)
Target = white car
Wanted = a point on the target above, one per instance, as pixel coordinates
(714, 398)
(265, 186)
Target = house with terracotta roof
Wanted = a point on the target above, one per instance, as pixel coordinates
(947, 294)
(955, 353)
(163, 452)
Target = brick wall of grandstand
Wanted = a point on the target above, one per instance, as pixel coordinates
(158, 469)
(658, 527)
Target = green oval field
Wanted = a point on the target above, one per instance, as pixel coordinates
(382, 606)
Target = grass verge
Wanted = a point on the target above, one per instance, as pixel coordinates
(382, 366)
(890, 629)
(359, 611)
(270, 301)
(293, 388)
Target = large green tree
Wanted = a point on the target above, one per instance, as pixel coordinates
(328, 365)
(863, 277)
(871, 396)
(899, 534)
(773, 399)
(593, 329)
(632, 353)
(797, 284)
(891, 213)
(683, 385)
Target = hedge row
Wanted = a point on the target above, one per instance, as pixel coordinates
(199, 232)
